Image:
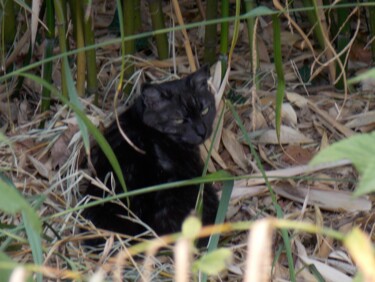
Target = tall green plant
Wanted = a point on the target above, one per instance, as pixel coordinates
(77, 14)
(157, 17)
(60, 10)
(129, 27)
(8, 21)
(343, 39)
(224, 36)
(92, 82)
(210, 38)
(371, 10)
(48, 52)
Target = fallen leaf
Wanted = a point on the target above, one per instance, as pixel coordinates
(288, 135)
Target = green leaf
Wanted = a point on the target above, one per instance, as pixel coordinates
(366, 184)
(214, 262)
(191, 227)
(359, 149)
(12, 202)
(5, 272)
(368, 74)
(73, 96)
(35, 242)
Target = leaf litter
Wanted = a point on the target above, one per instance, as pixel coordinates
(49, 161)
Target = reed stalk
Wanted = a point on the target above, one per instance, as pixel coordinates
(313, 19)
(77, 16)
(224, 36)
(156, 11)
(60, 10)
(279, 101)
(129, 17)
(88, 28)
(8, 22)
(371, 10)
(210, 38)
(49, 44)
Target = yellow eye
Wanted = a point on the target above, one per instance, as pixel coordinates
(204, 112)
(178, 121)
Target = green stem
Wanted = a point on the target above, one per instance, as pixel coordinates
(92, 82)
(224, 36)
(8, 26)
(60, 6)
(210, 37)
(47, 68)
(77, 13)
(313, 19)
(129, 29)
(372, 28)
(279, 101)
(157, 18)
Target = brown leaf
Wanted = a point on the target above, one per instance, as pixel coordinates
(234, 148)
(60, 151)
(296, 155)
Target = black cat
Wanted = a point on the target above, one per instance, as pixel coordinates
(168, 121)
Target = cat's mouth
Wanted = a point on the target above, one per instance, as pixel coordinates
(193, 140)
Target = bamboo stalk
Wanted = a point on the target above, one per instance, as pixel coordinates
(224, 36)
(60, 10)
(8, 27)
(210, 38)
(92, 83)
(47, 67)
(77, 13)
(157, 18)
(372, 28)
(129, 29)
(249, 5)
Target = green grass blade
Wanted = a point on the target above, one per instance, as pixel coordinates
(279, 71)
(279, 212)
(35, 242)
(222, 211)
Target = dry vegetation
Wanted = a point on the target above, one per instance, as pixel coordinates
(45, 164)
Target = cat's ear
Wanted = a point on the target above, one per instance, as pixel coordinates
(198, 80)
(153, 97)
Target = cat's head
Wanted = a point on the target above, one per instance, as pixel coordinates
(184, 109)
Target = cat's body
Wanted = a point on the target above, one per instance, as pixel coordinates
(168, 121)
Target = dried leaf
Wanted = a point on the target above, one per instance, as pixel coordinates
(288, 135)
(234, 148)
(42, 169)
(295, 154)
(325, 199)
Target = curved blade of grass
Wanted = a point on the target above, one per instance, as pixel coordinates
(279, 71)
(279, 212)
(5, 272)
(222, 211)
(73, 96)
(218, 176)
(12, 202)
(102, 142)
(35, 242)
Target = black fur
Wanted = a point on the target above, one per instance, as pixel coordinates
(168, 121)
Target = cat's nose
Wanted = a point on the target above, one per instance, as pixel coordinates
(201, 130)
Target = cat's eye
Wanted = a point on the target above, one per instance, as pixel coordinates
(178, 121)
(205, 111)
